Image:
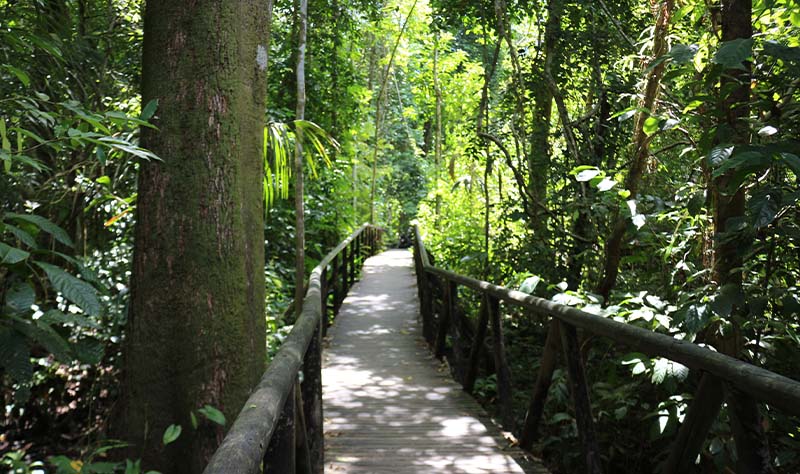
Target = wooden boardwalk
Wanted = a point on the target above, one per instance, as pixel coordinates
(389, 407)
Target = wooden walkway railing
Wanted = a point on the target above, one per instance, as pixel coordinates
(280, 427)
(442, 317)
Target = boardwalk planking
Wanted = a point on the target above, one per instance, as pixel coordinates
(389, 406)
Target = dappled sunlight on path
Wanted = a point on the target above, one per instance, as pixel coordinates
(389, 407)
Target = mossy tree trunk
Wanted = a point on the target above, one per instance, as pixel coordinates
(196, 325)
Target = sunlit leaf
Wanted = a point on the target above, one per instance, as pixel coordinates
(587, 175)
(606, 184)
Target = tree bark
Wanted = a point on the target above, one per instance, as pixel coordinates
(299, 208)
(751, 444)
(195, 331)
(641, 144)
(539, 159)
(379, 112)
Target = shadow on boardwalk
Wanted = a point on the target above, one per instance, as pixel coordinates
(389, 406)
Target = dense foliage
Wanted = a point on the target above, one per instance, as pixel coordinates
(510, 132)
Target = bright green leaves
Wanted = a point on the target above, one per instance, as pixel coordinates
(171, 434)
(278, 146)
(213, 414)
(732, 54)
(650, 125)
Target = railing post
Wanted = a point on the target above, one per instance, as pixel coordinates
(334, 282)
(354, 255)
(701, 415)
(580, 398)
(500, 362)
(302, 452)
(450, 301)
(477, 344)
(343, 273)
(280, 454)
(311, 390)
(547, 365)
(323, 303)
(427, 309)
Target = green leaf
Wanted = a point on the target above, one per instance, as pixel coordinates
(57, 317)
(213, 414)
(529, 285)
(682, 53)
(14, 355)
(763, 207)
(606, 184)
(663, 368)
(89, 350)
(171, 434)
(779, 51)
(719, 154)
(694, 317)
(47, 337)
(10, 255)
(21, 75)
(587, 174)
(23, 236)
(75, 290)
(729, 297)
(20, 298)
(193, 419)
(650, 125)
(45, 224)
(731, 54)
(149, 110)
(792, 161)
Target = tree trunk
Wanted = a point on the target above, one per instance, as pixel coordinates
(641, 143)
(539, 159)
(437, 135)
(299, 208)
(751, 443)
(379, 113)
(196, 330)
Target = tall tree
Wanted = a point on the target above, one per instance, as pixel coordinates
(301, 16)
(641, 145)
(728, 203)
(196, 324)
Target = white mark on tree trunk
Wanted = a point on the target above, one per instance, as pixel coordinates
(261, 57)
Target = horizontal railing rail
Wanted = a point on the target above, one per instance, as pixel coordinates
(280, 427)
(438, 291)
